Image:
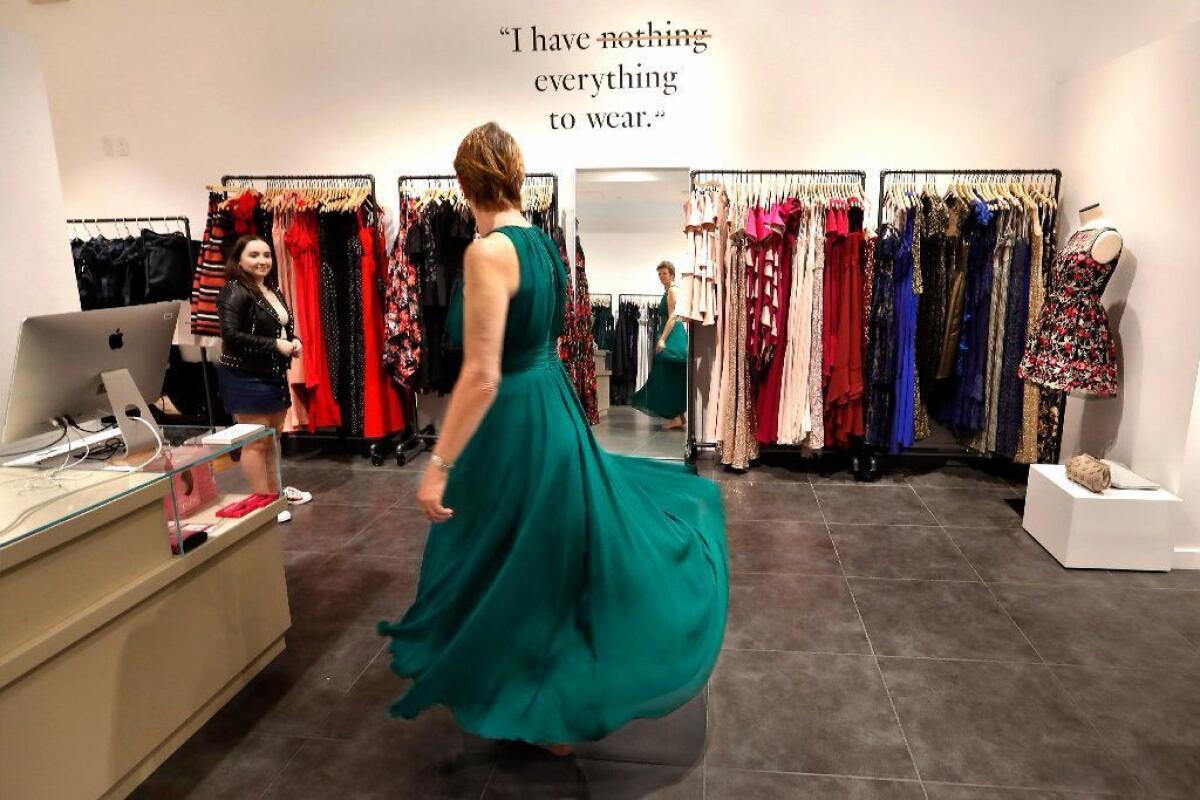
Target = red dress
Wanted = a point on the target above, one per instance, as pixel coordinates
(383, 406)
(842, 330)
(776, 299)
(301, 240)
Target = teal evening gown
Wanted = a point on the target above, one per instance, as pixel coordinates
(574, 589)
(665, 392)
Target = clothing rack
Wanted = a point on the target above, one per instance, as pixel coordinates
(930, 175)
(1054, 177)
(856, 177)
(186, 226)
(424, 438)
(602, 299)
(230, 183)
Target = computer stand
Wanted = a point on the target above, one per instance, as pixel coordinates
(127, 403)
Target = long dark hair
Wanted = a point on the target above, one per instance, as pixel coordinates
(233, 265)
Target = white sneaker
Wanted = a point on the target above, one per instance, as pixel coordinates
(284, 516)
(295, 497)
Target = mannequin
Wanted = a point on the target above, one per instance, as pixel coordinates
(1108, 244)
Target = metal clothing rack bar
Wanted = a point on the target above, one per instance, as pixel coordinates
(423, 439)
(529, 176)
(186, 224)
(857, 177)
(226, 180)
(601, 298)
(887, 175)
(861, 175)
(112, 220)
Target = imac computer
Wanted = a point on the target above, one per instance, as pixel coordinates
(85, 364)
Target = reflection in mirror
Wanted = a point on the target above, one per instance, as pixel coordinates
(629, 229)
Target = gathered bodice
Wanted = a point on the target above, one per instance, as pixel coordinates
(535, 312)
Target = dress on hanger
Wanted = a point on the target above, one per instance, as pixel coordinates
(581, 591)
(1072, 348)
(383, 409)
(697, 299)
(301, 242)
(296, 417)
(781, 220)
(1027, 450)
(903, 432)
(844, 368)
(210, 271)
(737, 444)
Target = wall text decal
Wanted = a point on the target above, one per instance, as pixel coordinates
(623, 77)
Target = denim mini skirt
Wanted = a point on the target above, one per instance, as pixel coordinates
(244, 393)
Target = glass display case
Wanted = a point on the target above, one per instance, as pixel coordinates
(206, 490)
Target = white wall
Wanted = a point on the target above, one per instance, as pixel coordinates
(35, 261)
(624, 263)
(205, 87)
(1187, 549)
(1127, 139)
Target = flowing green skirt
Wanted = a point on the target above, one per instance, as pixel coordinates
(574, 590)
(665, 392)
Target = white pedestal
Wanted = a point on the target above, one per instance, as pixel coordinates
(1117, 529)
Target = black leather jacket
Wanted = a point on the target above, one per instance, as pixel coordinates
(249, 329)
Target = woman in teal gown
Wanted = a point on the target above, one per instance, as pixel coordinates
(665, 392)
(565, 590)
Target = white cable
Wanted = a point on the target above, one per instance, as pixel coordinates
(121, 474)
(87, 451)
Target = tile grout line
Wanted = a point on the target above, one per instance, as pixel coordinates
(377, 516)
(267, 789)
(882, 656)
(1085, 793)
(488, 783)
(1070, 699)
(871, 646)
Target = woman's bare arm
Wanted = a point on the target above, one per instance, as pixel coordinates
(671, 318)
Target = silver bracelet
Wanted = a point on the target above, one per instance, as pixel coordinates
(440, 463)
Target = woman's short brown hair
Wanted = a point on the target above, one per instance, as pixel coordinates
(667, 265)
(490, 168)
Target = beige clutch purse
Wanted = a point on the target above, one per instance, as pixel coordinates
(1089, 472)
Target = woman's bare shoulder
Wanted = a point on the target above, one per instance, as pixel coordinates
(493, 247)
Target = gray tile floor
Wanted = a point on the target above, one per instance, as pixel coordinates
(624, 430)
(898, 640)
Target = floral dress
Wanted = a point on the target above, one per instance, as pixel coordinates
(1072, 349)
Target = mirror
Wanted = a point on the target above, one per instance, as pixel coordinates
(629, 222)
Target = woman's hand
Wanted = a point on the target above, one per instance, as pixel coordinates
(297, 348)
(430, 493)
(284, 347)
(659, 346)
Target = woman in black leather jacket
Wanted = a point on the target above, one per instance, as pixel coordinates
(258, 342)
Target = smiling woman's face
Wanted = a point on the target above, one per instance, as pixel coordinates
(256, 259)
